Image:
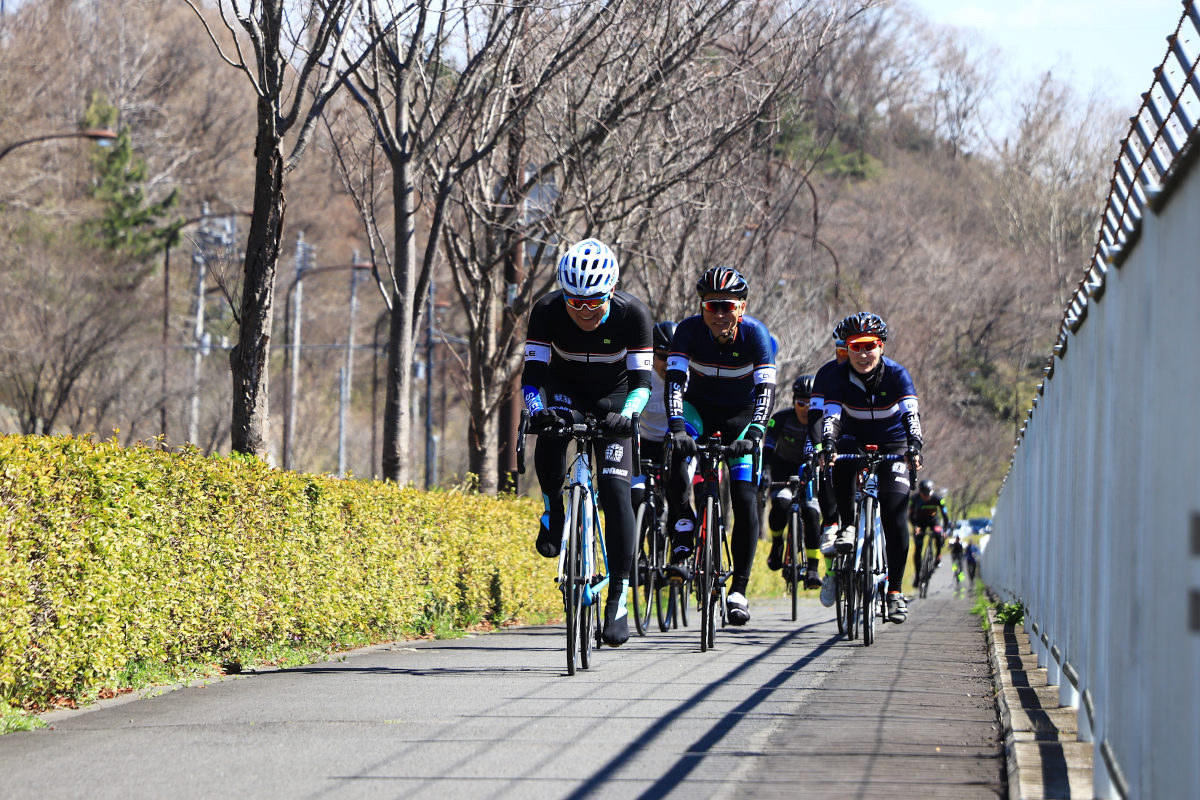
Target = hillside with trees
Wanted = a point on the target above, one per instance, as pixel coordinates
(844, 158)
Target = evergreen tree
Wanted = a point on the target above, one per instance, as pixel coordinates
(128, 226)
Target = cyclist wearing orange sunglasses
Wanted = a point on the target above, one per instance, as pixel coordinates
(588, 349)
(726, 360)
(871, 400)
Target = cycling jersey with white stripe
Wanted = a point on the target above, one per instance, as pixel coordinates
(611, 361)
(872, 417)
(723, 374)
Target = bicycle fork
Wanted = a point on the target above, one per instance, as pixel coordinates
(583, 499)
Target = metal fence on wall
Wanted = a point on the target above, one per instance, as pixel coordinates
(1097, 528)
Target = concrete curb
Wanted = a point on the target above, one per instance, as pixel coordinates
(1044, 757)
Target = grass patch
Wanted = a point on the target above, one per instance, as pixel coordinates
(14, 719)
(1006, 613)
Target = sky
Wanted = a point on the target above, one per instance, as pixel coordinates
(1110, 45)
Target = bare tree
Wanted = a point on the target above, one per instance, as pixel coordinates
(639, 128)
(285, 51)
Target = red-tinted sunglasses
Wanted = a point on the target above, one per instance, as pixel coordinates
(720, 306)
(864, 346)
(586, 303)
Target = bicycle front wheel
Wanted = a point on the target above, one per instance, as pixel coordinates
(926, 564)
(573, 579)
(792, 560)
(643, 577)
(706, 583)
(867, 572)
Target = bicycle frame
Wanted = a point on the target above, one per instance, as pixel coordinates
(579, 485)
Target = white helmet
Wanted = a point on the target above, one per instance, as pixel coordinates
(588, 269)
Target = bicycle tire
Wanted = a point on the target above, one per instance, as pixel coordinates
(642, 577)
(707, 578)
(926, 563)
(792, 560)
(839, 597)
(869, 586)
(572, 586)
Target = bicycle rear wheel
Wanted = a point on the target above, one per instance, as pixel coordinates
(573, 579)
(792, 560)
(869, 586)
(643, 577)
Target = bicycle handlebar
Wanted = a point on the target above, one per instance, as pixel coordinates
(873, 459)
(589, 428)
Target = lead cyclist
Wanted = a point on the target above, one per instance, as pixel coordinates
(588, 350)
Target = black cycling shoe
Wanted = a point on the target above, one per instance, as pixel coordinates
(616, 628)
(775, 557)
(549, 538)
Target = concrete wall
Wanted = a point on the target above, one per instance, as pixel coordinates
(1097, 529)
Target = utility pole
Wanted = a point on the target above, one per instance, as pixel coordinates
(199, 345)
(347, 371)
(303, 260)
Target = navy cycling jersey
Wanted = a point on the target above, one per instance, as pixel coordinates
(787, 440)
(885, 415)
(613, 361)
(740, 374)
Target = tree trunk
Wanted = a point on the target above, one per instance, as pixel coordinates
(248, 361)
(397, 413)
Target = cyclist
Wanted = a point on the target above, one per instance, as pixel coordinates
(588, 350)
(816, 411)
(871, 400)
(956, 557)
(971, 553)
(725, 360)
(786, 448)
(926, 509)
(653, 419)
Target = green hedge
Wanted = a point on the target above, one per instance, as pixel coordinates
(114, 555)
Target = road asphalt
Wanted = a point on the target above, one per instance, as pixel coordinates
(778, 708)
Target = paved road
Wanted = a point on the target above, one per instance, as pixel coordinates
(778, 709)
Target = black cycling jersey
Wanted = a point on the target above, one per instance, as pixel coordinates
(612, 362)
(787, 440)
(924, 512)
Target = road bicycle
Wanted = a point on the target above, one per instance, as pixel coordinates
(928, 561)
(862, 575)
(712, 560)
(651, 591)
(800, 487)
(583, 571)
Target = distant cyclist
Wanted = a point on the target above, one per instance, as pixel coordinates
(726, 361)
(816, 411)
(956, 556)
(588, 350)
(871, 401)
(787, 447)
(927, 513)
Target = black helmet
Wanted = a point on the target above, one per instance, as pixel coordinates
(926, 486)
(860, 323)
(663, 332)
(802, 386)
(722, 280)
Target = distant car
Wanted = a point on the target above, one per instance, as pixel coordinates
(980, 524)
